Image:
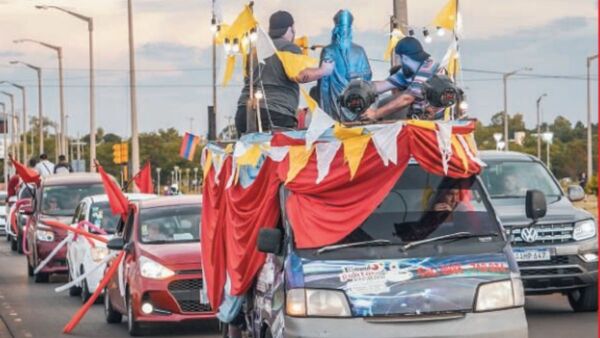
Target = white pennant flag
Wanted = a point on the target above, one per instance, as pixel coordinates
(264, 45)
(277, 154)
(217, 163)
(319, 123)
(385, 141)
(444, 137)
(325, 154)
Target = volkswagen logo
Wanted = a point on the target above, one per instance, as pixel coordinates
(529, 235)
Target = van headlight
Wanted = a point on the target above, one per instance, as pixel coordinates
(317, 303)
(153, 270)
(584, 230)
(99, 253)
(500, 295)
(44, 235)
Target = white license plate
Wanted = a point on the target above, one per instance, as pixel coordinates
(532, 255)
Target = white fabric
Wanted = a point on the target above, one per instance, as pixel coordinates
(87, 273)
(471, 156)
(264, 45)
(45, 168)
(232, 175)
(217, 163)
(277, 154)
(54, 252)
(240, 149)
(121, 276)
(325, 154)
(444, 138)
(320, 122)
(452, 49)
(385, 142)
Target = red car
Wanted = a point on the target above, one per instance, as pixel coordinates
(56, 199)
(160, 279)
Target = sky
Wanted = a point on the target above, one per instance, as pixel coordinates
(173, 55)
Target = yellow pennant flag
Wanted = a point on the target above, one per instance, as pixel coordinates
(207, 164)
(244, 22)
(295, 63)
(229, 66)
(250, 157)
(460, 152)
(446, 18)
(454, 65)
(355, 144)
(221, 34)
(298, 158)
(312, 104)
(429, 125)
(394, 38)
(229, 148)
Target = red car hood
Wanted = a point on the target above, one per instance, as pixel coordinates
(173, 254)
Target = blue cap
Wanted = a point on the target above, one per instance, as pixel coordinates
(412, 48)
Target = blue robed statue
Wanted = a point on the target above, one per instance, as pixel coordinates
(350, 61)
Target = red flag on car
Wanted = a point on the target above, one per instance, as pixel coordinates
(143, 179)
(117, 200)
(26, 174)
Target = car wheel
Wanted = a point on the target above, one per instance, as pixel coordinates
(133, 326)
(85, 292)
(112, 316)
(20, 244)
(584, 299)
(13, 243)
(29, 268)
(268, 333)
(224, 328)
(41, 277)
(74, 290)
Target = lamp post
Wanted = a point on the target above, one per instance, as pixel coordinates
(90, 23)
(158, 181)
(135, 146)
(589, 117)
(40, 106)
(23, 114)
(547, 137)
(196, 179)
(13, 130)
(58, 51)
(505, 77)
(4, 141)
(539, 127)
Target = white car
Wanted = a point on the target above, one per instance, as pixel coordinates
(81, 255)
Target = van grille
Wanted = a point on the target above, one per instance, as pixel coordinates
(187, 294)
(547, 234)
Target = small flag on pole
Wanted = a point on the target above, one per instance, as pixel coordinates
(188, 146)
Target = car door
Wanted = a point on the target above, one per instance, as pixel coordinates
(74, 247)
(118, 281)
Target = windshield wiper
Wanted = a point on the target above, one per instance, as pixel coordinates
(456, 235)
(351, 245)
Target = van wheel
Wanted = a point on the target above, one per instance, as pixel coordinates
(133, 326)
(112, 316)
(29, 268)
(41, 277)
(584, 299)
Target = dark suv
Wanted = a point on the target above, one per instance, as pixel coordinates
(559, 252)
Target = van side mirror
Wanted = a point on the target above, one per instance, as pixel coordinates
(575, 193)
(116, 243)
(270, 240)
(535, 204)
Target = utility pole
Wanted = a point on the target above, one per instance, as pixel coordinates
(589, 117)
(539, 126)
(38, 71)
(13, 129)
(505, 77)
(135, 146)
(215, 27)
(400, 18)
(24, 115)
(4, 141)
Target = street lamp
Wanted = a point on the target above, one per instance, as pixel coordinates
(4, 141)
(589, 117)
(12, 114)
(196, 179)
(547, 137)
(158, 181)
(498, 139)
(90, 23)
(58, 51)
(505, 77)
(135, 145)
(40, 107)
(24, 114)
(539, 127)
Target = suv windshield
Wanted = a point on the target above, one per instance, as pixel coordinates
(425, 206)
(170, 224)
(512, 179)
(62, 200)
(102, 217)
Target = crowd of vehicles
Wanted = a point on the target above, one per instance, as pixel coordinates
(463, 274)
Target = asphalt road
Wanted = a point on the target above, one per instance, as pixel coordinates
(35, 310)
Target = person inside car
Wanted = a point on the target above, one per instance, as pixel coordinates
(154, 233)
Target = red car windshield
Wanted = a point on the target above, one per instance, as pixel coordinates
(171, 224)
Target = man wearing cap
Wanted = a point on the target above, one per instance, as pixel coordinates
(350, 60)
(417, 68)
(281, 94)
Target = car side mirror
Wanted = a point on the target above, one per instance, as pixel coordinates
(116, 243)
(270, 240)
(535, 204)
(27, 208)
(575, 193)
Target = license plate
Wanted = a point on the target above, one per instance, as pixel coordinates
(532, 255)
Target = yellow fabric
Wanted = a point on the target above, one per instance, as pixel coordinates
(229, 148)
(460, 152)
(302, 42)
(453, 65)
(207, 164)
(295, 63)
(470, 138)
(312, 104)
(221, 34)
(354, 149)
(229, 67)
(250, 157)
(446, 18)
(391, 45)
(429, 125)
(298, 158)
(342, 133)
(244, 22)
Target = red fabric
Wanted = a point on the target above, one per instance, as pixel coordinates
(247, 210)
(143, 179)
(26, 174)
(117, 200)
(13, 184)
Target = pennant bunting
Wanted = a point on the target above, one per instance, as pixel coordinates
(460, 152)
(395, 36)
(309, 101)
(277, 154)
(319, 123)
(298, 158)
(444, 134)
(264, 46)
(325, 153)
(206, 163)
(355, 144)
(385, 140)
(250, 157)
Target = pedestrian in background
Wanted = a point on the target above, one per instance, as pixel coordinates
(44, 167)
(62, 167)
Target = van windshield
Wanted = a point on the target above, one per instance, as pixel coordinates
(424, 206)
(62, 200)
(513, 179)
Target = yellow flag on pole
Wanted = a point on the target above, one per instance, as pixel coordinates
(229, 66)
(244, 22)
(394, 38)
(295, 63)
(446, 18)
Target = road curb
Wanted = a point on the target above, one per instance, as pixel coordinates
(4, 331)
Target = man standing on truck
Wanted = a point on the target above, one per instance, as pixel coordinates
(281, 93)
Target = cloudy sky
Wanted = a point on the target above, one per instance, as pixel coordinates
(172, 41)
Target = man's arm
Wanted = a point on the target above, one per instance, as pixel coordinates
(314, 74)
(383, 86)
(392, 106)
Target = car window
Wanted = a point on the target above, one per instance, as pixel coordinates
(128, 228)
(170, 224)
(76, 216)
(101, 216)
(508, 179)
(62, 200)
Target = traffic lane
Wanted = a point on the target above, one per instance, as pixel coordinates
(552, 316)
(35, 310)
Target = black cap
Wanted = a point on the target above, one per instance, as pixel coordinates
(279, 23)
(412, 48)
